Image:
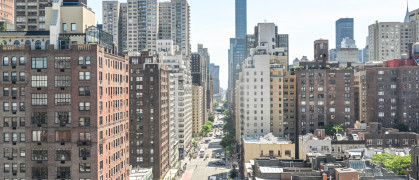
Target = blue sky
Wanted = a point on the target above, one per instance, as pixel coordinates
(212, 22)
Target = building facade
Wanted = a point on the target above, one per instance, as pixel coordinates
(59, 111)
(7, 10)
(149, 109)
(197, 119)
(215, 73)
(344, 29)
(114, 19)
(397, 35)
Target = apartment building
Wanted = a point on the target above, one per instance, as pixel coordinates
(7, 10)
(389, 40)
(49, 98)
(30, 15)
(114, 21)
(197, 118)
(149, 106)
(392, 93)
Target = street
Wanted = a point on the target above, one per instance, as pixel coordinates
(202, 168)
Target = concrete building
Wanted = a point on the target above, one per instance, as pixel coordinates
(7, 10)
(215, 73)
(30, 15)
(332, 55)
(180, 86)
(345, 55)
(58, 128)
(267, 147)
(149, 111)
(397, 35)
(391, 96)
(114, 19)
(282, 98)
(143, 25)
(197, 119)
(311, 143)
(141, 174)
(206, 76)
(344, 29)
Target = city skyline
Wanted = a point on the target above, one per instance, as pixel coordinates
(217, 39)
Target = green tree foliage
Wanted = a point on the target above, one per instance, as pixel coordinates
(397, 164)
(215, 104)
(3, 27)
(211, 118)
(333, 128)
(227, 141)
(206, 128)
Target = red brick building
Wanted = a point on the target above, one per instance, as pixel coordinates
(64, 113)
(7, 10)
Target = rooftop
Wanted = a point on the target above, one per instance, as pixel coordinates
(24, 33)
(267, 139)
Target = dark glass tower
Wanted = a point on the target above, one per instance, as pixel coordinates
(241, 19)
(344, 28)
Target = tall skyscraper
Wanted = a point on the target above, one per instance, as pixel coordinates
(241, 19)
(114, 18)
(238, 46)
(143, 27)
(344, 29)
(215, 73)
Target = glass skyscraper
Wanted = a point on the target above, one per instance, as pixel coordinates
(241, 19)
(344, 28)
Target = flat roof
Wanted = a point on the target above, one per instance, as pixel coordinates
(267, 139)
(24, 33)
(271, 169)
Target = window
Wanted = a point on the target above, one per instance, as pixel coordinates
(40, 172)
(39, 155)
(62, 99)
(64, 27)
(39, 81)
(84, 152)
(63, 172)
(5, 61)
(39, 117)
(62, 81)
(40, 136)
(87, 60)
(6, 168)
(84, 121)
(22, 168)
(73, 26)
(22, 76)
(6, 107)
(22, 152)
(380, 114)
(84, 167)
(62, 136)
(62, 117)
(38, 44)
(14, 61)
(5, 76)
(6, 91)
(380, 72)
(22, 60)
(39, 100)
(62, 63)
(39, 63)
(84, 76)
(84, 91)
(63, 154)
(347, 109)
(22, 137)
(84, 106)
(81, 60)
(332, 110)
(84, 137)
(287, 153)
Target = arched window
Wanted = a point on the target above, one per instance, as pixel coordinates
(22, 60)
(38, 44)
(27, 42)
(88, 60)
(4, 42)
(46, 44)
(17, 42)
(5, 61)
(81, 60)
(14, 61)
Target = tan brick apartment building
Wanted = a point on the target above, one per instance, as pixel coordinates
(64, 113)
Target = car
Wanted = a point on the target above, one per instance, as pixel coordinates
(217, 155)
(219, 163)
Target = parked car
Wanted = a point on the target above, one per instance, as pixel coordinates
(219, 163)
(217, 155)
